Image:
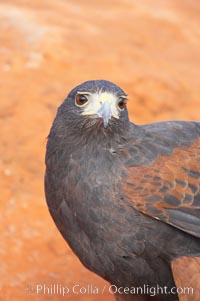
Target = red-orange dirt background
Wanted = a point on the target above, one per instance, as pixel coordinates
(150, 48)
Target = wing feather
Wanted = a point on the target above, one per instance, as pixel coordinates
(164, 181)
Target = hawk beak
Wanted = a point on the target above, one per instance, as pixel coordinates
(105, 113)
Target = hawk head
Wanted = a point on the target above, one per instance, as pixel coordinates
(96, 102)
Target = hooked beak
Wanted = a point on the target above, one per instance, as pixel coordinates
(105, 113)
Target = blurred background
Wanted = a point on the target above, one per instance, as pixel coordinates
(151, 48)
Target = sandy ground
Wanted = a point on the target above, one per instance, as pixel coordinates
(150, 48)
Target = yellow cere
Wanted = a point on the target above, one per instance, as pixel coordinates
(96, 100)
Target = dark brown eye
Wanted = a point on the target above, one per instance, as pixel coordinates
(81, 100)
(122, 103)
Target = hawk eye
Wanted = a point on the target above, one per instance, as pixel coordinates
(81, 100)
(122, 103)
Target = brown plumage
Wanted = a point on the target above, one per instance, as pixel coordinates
(169, 188)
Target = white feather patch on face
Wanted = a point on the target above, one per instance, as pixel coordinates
(96, 100)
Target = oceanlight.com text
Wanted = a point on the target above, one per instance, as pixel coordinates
(90, 289)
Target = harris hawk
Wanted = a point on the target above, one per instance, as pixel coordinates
(125, 197)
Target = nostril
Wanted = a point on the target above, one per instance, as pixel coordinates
(113, 151)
